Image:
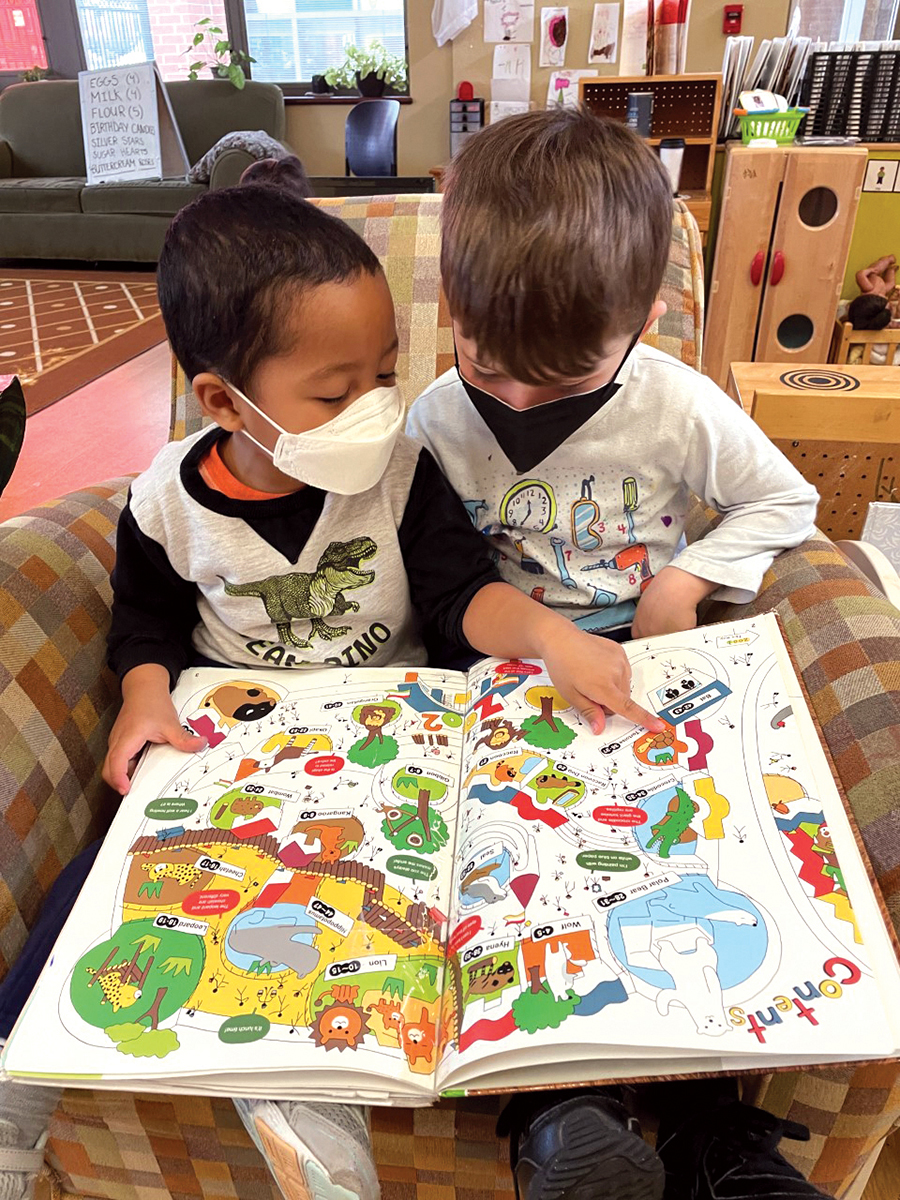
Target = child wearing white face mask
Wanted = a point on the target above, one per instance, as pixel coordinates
(302, 530)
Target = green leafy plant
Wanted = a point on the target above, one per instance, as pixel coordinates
(370, 60)
(221, 57)
(536, 1008)
(35, 74)
(12, 429)
(177, 965)
(134, 1039)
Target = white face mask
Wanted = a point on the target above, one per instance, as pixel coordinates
(346, 455)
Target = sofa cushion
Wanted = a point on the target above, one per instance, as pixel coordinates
(140, 196)
(40, 195)
(207, 109)
(42, 124)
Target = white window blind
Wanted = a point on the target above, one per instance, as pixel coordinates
(296, 39)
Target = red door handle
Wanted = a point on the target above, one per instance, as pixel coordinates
(777, 268)
(756, 268)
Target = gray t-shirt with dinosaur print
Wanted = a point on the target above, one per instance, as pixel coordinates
(307, 580)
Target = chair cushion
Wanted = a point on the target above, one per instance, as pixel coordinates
(140, 196)
(40, 195)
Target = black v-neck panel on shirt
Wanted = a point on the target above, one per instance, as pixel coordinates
(284, 522)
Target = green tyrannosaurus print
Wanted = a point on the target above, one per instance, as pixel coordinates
(313, 595)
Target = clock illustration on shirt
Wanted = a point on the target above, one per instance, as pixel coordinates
(529, 504)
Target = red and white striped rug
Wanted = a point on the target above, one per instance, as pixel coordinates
(61, 329)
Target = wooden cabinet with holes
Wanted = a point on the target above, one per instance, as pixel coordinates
(839, 426)
(781, 251)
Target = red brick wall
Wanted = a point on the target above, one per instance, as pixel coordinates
(172, 25)
(21, 44)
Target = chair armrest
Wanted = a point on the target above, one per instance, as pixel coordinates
(845, 638)
(230, 166)
(875, 565)
(57, 698)
(228, 169)
(5, 160)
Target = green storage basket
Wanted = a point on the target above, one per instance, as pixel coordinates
(782, 126)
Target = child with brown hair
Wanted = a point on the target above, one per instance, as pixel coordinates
(579, 447)
(576, 451)
(281, 317)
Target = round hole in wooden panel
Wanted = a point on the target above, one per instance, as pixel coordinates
(817, 207)
(795, 331)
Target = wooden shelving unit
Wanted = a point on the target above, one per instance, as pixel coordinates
(685, 106)
(784, 233)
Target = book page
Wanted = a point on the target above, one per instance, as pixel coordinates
(276, 901)
(639, 896)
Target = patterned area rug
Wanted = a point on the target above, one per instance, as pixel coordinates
(61, 329)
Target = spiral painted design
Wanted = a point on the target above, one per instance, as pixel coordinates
(817, 379)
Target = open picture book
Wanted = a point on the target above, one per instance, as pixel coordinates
(389, 885)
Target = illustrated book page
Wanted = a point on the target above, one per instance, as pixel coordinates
(641, 904)
(274, 902)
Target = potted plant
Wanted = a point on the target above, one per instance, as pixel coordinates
(223, 60)
(370, 69)
(35, 74)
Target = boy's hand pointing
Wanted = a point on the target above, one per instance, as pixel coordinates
(594, 675)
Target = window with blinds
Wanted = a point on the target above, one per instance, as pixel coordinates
(292, 40)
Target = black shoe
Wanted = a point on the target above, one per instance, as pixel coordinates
(715, 1148)
(582, 1147)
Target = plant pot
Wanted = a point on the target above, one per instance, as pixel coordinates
(370, 85)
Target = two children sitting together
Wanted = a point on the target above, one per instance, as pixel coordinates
(556, 229)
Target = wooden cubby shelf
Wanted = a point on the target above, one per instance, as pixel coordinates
(685, 106)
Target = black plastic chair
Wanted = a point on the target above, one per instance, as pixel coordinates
(370, 138)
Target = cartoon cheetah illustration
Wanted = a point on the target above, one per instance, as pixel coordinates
(184, 873)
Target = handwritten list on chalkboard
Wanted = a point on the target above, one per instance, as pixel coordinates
(128, 126)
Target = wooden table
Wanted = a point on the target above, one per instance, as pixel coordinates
(840, 427)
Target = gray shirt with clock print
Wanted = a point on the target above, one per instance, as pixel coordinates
(603, 513)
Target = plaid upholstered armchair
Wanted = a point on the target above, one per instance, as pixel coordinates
(57, 703)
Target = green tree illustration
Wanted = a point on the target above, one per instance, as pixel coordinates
(545, 731)
(376, 748)
(143, 973)
(417, 827)
(537, 1008)
(134, 1039)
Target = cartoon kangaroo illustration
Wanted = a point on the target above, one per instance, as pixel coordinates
(313, 595)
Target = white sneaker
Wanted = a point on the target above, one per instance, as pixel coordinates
(20, 1163)
(314, 1151)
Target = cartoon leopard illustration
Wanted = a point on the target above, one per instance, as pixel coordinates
(115, 992)
(313, 595)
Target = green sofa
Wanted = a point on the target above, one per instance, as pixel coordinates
(47, 210)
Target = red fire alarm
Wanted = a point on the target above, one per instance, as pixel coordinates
(731, 18)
